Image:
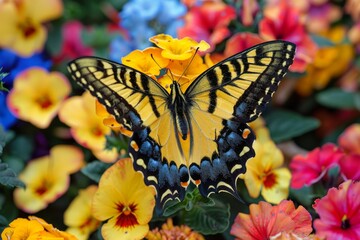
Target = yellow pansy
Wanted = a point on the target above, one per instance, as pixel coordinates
(124, 201)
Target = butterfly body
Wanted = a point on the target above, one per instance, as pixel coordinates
(199, 135)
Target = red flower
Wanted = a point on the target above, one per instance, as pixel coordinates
(309, 169)
(208, 22)
(265, 221)
(339, 213)
(241, 41)
(72, 45)
(281, 21)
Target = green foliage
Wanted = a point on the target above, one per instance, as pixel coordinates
(7, 175)
(285, 125)
(339, 99)
(205, 215)
(95, 169)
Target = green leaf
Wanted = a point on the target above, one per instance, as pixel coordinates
(204, 215)
(338, 98)
(192, 197)
(95, 170)
(284, 125)
(208, 219)
(8, 177)
(25, 143)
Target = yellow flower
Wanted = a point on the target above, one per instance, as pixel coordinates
(47, 178)
(37, 95)
(265, 173)
(33, 229)
(21, 24)
(169, 231)
(329, 62)
(178, 49)
(78, 215)
(143, 62)
(87, 127)
(124, 201)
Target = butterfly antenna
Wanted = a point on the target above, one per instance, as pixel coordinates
(168, 70)
(187, 67)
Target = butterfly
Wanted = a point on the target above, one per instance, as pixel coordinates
(200, 135)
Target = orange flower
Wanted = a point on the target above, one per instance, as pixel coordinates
(34, 228)
(78, 215)
(124, 201)
(329, 62)
(169, 231)
(37, 95)
(87, 127)
(21, 24)
(265, 221)
(47, 178)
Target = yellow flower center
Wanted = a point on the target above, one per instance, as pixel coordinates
(127, 217)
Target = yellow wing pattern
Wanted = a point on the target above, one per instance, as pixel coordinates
(215, 108)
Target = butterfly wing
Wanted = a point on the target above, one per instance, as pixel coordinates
(140, 104)
(135, 99)
(223, 99)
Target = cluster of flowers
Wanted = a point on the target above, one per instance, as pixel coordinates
(67, 132)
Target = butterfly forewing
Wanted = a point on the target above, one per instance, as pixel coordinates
(243, 84)
(135, 99)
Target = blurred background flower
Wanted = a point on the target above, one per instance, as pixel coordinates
(47, 178)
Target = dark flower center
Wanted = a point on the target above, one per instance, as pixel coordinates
(270, 180)
(345, 223)
(126, 217)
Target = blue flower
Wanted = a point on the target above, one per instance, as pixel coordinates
(6, 117)
(143, 19)
(13, 64)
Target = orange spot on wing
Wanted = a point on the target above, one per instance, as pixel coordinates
(184, 184)
(245, 133)
(134, 145)
(197, 182)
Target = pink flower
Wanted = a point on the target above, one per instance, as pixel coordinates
(309, 169)
(281, 21)
(208, 22)
(72, 45)
(339, 213)
(265, 221)
(349, 166)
